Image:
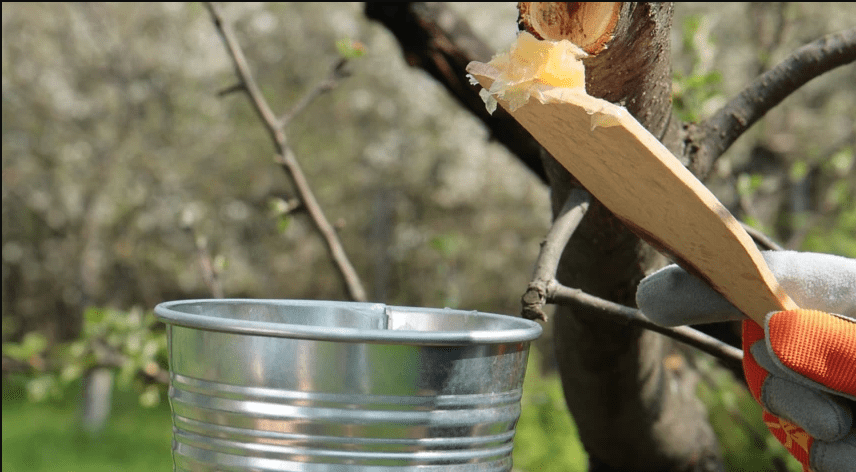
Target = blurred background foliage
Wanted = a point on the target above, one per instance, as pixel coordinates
(121, 164)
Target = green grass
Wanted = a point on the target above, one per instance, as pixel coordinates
(546, 438)
(46, 436)
(736, 419)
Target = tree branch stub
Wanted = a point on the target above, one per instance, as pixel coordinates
(589, 25)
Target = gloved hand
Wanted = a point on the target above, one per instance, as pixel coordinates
(801, 365)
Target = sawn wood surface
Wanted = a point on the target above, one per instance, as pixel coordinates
(643, 184)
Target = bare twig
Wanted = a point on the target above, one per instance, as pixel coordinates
(210, 273)
(337, 72)
(285, 157)
(761, 239)
(551, 251)
(239, 87)
(544, 288)
(733, 357)
(709, 140)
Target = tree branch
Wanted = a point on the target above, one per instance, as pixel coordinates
(729, 355)
(762, 240)
(337, 72)
(285, 157)
(544, 288)
(435, 39)
(709, 140)
(210, 272)
(551, 252)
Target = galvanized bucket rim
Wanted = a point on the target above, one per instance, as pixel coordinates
(518, 330)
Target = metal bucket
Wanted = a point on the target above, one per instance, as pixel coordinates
(275, 385)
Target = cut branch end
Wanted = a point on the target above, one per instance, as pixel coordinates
(589, 25)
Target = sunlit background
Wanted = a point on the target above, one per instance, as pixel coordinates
(125, 170)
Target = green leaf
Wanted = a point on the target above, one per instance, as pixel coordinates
(748, 184)
(127, 373)
(842, 161)
(283, 223)
(799, 170)
(150, 349)
(41, 387)
(77, 349)
(150, 397)
(32, 344)
(277, 206)
(94, 315)
(751, 221)
(70, 373)
(134, 344)
(447, 245)
(15, 351)
(220, 263)
(690, 27)
(350, 49)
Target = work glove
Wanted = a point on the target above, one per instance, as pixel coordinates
(801, 365)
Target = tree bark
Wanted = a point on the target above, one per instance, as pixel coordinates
(631, 411)
(434, 39)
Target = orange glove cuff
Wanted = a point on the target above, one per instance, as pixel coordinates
(817, 345)
(794, 438)
(755, 374)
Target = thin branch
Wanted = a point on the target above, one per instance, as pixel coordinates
(552, 247)
(761, 239)
(239, 87)
(544, 288)
(732, 356)
(337, 72)
(242, 70)
(285, 157)
(207, 266)
(709, 140)
(210, 272)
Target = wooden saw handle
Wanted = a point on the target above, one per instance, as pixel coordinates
(645, 186)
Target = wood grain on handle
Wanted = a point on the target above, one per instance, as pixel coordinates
(644, 185)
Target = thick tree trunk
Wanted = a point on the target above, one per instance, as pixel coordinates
(633, 413)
